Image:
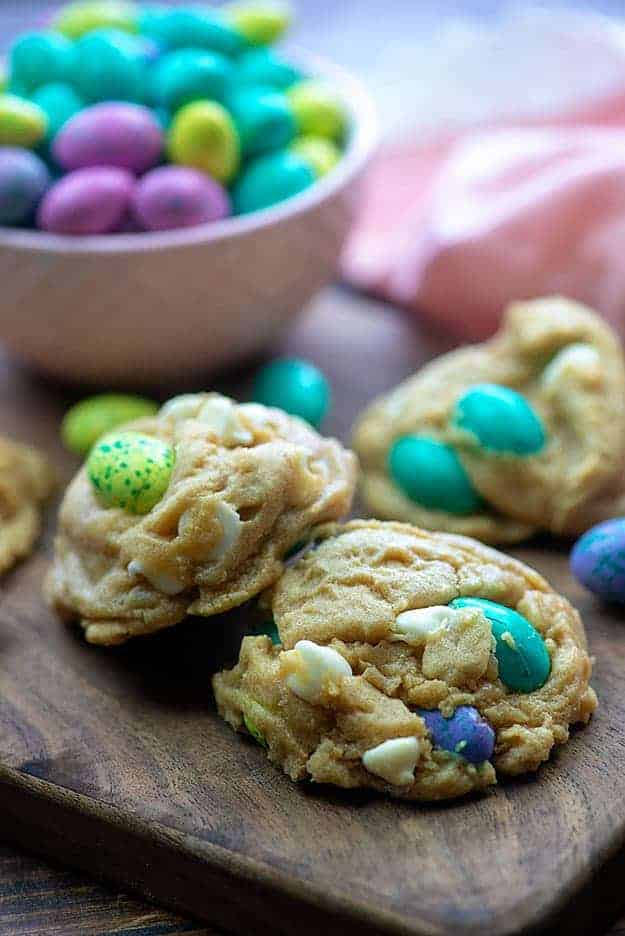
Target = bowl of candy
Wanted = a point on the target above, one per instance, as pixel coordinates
(172, 188)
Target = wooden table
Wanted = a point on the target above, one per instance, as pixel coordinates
(383, 347)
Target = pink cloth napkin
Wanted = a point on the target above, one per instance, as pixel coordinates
(457, 228)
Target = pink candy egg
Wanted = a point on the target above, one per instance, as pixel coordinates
(177, 197)
(111, 134)
(87, 201)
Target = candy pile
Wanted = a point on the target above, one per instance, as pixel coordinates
(123, 117)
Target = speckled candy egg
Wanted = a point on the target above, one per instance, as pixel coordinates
(117, 134)
(465, 733)
(130, 470)
(598, 560)
(270, 179)
(24, 178)
(87, 201)
(177, 197)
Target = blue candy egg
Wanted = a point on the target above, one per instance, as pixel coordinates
(188, 75)
(270, 178)
(190, 28)
(524, 662)
(40, 58)
(501, 420)
(263, 68)
(263, 120)
(598, 560)
(110, 66)
(431, 474)
(465, 733)
(24, 178)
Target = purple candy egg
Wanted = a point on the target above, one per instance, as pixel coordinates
(87, 201)
(177, 197)
(598, 560)
(24, 178)
(466, 733)
(111, 134)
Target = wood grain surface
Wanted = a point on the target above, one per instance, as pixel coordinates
(114, 760)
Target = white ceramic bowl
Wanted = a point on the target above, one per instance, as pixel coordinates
(140, 308)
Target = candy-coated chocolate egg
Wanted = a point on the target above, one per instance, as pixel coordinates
(268, 629)
(598, 560)
(203, 135)
(263, 119)
(130, 470)
(85, 16)
(24, 178)
(87, 201)
(261, 23)
(22, 123)
(296, 386)
(321, 154)
(91, 418)
(4, 77)
(188, 75)
(263, 68)
(110, 134)
(38, 58)
(59, 102)
(190, 28)
(110, 67)
(177, 197)
(523, 658)
(254, 730)
(465, 733)
(429, 472)
(271, 178)
(501, 420)
(318, 110)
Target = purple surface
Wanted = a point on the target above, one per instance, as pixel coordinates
(466, 733)
(598, 560)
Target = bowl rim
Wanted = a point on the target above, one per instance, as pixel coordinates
(360, 147)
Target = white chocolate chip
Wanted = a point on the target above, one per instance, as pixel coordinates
(160, 580)
(184, 406)
(578, 361)
(508, 639)
(313, 668)
(414, 626)
(220, 414)
(394, 760)
(231, 529)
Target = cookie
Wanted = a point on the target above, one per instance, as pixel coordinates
(497, 441)
(190, 512)
(419, 664)
(26, 479)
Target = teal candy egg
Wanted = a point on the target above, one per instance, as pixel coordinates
(38, 58)
(524, 662)
(270, 179)
(130, 470)
(59, 102)
(430, 473)
(190, 28)
(263, 68)
(295, 386)
(110, 67)
(263, 120)
(190, 75)
(501, 419)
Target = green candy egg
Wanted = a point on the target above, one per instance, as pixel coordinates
(263, 68)
(203, 135)
(38, 58)
(110, 67)
(317, 109)
(501, 419)
(260, 23)
(190, 28)
(189, 75)
(268, 629)
(295, 386)
(269, 179)
(130, 470)
(263, 120)
(22, 123)
(4, 77)
(430, 473)
(254, 730)
(91, 418)
(77, 19)
(523, 658)
(321, 155)
(59, 102)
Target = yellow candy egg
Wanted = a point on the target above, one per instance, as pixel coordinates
(22, 123)
(317, 109)
(76, 19)
(203, 135)
(321, 155)
(261, 23)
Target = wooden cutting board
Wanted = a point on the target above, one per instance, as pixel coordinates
(115, 761)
